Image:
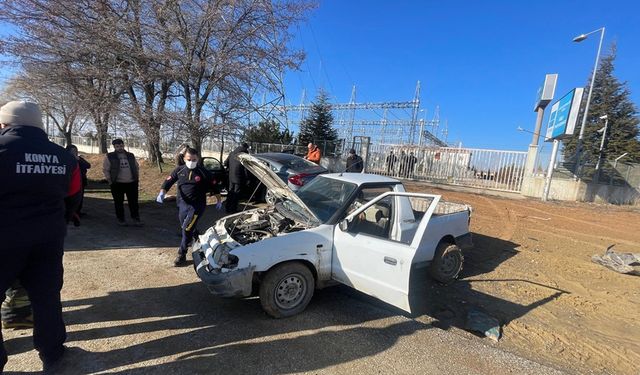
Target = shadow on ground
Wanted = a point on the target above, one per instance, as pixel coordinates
(99, 230)
(450, 304)
(204, 334)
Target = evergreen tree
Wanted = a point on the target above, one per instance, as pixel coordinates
(612, 98)
(267, 131)
(318, 126)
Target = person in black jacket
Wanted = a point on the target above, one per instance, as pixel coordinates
(84, 168)
(238, 177)
(40, 190)
(354, 162)
(194, 182)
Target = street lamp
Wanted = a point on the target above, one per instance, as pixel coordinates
(579, 39)
(604, 134)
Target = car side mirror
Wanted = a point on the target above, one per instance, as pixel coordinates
(344, 225)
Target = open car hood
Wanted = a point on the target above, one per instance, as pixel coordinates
(272, 182)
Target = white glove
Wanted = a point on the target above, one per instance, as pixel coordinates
(160, 197)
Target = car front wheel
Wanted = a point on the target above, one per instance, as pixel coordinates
(286, 289)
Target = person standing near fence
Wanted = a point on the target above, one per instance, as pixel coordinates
(313, 153)
(391, 163)
(121, 170)
(40, 190)
(354, 162)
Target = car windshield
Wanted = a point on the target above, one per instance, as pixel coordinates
(298, 164)
(324, 196)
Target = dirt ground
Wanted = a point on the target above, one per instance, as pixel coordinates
(530, 268)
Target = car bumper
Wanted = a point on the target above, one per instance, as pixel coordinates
(222, 282)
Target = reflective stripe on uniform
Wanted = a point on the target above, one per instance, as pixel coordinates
(193, 220)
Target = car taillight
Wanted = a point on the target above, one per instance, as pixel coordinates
(296, 179)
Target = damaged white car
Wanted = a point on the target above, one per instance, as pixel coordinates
(357, 229)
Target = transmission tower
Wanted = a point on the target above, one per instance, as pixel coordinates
(364, 119)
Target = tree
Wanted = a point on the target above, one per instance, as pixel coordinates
(612, 98)
(318, 126)
(55, 99)
(73, 42)
(268, 131)
(226, 50)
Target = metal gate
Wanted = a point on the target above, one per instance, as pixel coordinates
(488, 169)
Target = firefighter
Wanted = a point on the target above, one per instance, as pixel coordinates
(194, 181)
(40, 190)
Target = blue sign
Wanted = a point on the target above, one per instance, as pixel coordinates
(564, 114)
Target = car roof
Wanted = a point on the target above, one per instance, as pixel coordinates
(276, 156)
(361, 178)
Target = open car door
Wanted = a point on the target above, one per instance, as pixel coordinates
(366, 258)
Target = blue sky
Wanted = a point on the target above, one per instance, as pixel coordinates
(480, 61)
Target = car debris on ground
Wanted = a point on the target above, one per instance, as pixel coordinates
(626, 263)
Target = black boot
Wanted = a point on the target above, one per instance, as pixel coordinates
(180, 260)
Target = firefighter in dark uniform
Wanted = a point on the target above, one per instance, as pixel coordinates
(193, 184)
(40, 189)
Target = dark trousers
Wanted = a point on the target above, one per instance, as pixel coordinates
(39, 269)
(188, 216)
(84, 188)
(233, 197)
(130, 189)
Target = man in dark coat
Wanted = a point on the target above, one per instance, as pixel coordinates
(391, 163)
(354, 162)
(40, 189)
(238, 177)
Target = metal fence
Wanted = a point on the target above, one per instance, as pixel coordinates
(488, 169)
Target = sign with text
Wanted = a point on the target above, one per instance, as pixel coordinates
(564, 115)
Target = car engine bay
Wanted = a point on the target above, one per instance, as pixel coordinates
(261, 224)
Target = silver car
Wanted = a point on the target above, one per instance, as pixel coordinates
(293, 170)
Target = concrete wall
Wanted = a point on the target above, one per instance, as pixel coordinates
(572, 190)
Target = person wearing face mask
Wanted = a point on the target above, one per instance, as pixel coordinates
(194, 182)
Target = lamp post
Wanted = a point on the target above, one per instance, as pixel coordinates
(579, 39)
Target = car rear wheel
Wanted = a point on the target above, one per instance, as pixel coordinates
(447, 263)
(286, 290)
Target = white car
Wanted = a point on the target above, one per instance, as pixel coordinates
(357, 229)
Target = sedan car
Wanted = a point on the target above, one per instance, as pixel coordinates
(293, 170)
